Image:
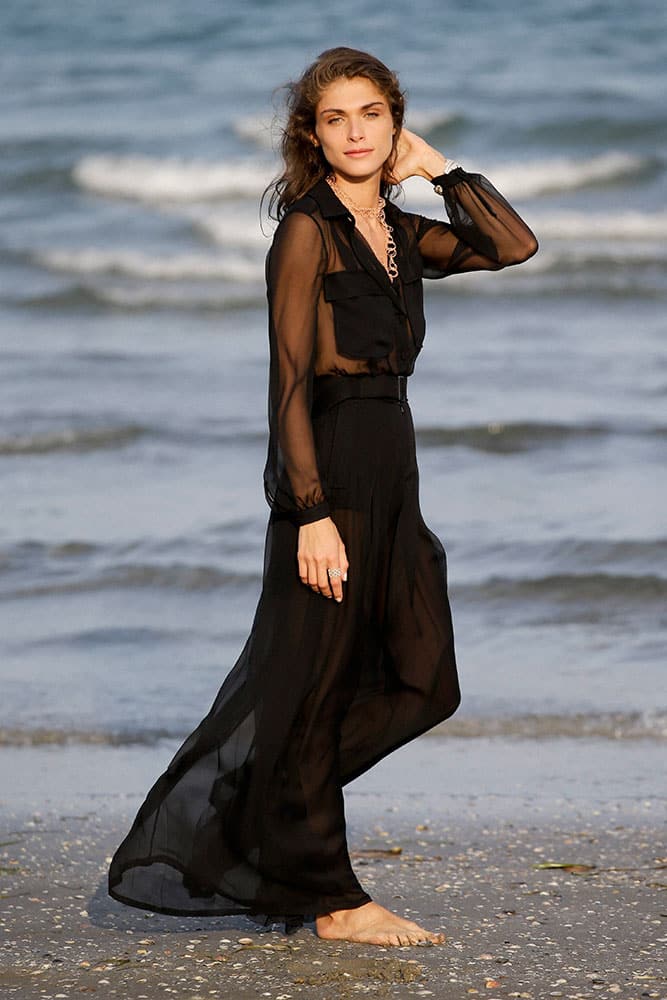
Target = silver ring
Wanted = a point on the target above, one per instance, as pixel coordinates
(333, 571)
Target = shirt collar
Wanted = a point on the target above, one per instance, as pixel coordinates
(328, 201)
(330, 204)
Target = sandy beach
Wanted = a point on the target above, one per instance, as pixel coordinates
(476, 866)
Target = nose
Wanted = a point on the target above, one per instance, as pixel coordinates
(355, 130)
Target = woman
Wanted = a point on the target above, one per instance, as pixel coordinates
(351, 652)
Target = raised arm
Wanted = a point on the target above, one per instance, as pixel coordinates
(294, 270)
(484, 232)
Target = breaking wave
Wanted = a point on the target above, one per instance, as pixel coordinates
(613, 726)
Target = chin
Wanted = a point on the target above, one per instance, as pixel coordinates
(359, 168)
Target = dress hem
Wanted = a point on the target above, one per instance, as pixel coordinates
(309, 910)
(277, 916)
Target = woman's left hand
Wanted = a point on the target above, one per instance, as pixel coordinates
(416, 158)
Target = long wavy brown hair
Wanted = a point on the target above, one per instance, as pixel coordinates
(304, 163)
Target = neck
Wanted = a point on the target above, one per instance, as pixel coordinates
(364, 192)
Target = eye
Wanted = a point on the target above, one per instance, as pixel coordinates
(332, 121)
(372, 114)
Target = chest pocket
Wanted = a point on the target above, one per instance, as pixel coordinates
(366, 322)
(413, 293)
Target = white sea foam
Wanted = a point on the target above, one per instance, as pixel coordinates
(240, 276)
(137, 264)
(428, 119)
(174, 179)
(632, 226)
(613, 726)
(629, 235)
(234, 224)
(531, 178)
(258, 129)
(170, 179)
(164, 297)
(181, 188)
(568, 258)
(70, 439)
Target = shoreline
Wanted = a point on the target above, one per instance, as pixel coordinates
(447, 776)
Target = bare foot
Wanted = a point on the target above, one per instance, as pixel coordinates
(373, 924)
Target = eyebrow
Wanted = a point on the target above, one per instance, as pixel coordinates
(341, 111)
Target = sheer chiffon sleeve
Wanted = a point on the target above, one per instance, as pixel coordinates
(484, 231)
(294, 269)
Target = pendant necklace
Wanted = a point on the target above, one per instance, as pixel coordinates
(371, 213)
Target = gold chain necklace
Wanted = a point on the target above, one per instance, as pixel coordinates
(377, 213)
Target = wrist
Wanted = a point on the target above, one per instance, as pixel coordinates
(315, 522)
(433, 165)
(310, 515)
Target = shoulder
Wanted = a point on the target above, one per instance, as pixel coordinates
(300, 222)
(305, 205)
(298, 245)
(298, 227)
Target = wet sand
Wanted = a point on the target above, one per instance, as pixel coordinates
(514, 927)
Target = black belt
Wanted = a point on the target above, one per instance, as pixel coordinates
(331, 389)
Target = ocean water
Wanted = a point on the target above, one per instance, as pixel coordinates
(135, 143)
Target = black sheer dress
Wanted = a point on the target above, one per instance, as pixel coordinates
(248, 817)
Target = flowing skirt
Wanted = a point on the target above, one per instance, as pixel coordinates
(248, 817)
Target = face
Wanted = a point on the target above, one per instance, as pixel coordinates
(354, 127)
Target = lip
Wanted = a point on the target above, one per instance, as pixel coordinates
(358, 152)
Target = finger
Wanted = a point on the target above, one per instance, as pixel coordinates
(336, 587)
(343, 563)
(303, 569)
(313, 575)
(323, 580)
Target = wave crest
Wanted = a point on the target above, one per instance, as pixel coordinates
(613, 726)
(179, 180)
(507, 438)
(531, 179)
(71, 439)
(137, 264)
(171, 179)
(579, 589)
(599, 726)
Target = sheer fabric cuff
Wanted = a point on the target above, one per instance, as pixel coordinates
(453, 174)
(309, 514)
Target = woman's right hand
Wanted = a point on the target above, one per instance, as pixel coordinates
(320, 548)
(415, 158)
